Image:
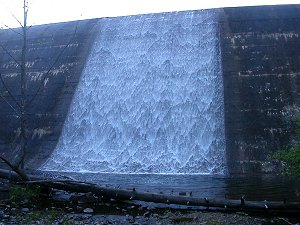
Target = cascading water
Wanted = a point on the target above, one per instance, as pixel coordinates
(150, 99)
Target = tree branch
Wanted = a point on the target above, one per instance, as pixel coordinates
(19, 22)
(13, 30)
(16, 169)
(7, 52)
(8, 91)
(10, 106)
(51, 67)
(29, 27)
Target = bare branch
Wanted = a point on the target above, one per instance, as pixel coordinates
(19, 22)
(29, 27)
(7, 162)
(8, 91)
(17, 113)
(16, 169)
(13, 30)
(13, 15)
(7, 52)
(20, 163)
(51, 67)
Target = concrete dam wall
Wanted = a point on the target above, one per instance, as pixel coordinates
(207, 91)
(260, 61)
(51, 93)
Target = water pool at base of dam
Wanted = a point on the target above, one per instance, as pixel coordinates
(264, 187)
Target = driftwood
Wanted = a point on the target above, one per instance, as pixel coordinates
(122, 194)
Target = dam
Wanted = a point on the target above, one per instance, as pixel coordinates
(198, 92)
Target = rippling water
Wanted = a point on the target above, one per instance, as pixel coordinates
(265, 187)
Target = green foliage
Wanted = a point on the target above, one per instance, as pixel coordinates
(290, 156)
(19, 192)
(48, 217)
(33, 216)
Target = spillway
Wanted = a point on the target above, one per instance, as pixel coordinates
(150, 99)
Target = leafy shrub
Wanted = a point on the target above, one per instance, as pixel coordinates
(290, 156)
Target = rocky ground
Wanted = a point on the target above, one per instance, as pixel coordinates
(23, 206)
(12, 214)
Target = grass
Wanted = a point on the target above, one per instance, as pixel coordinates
(28, 192)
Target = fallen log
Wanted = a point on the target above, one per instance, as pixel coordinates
(15, 168)
(13, 176)
(123, 194)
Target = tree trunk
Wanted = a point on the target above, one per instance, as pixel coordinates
(122, 194)
(23, 92)
(19, 172)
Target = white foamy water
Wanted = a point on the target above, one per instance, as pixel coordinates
(150, 99)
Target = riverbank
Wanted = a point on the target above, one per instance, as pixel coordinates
(15, 213)
(56, 216)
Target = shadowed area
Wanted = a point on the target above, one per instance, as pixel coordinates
(60, 49)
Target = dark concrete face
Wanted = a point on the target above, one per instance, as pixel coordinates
(62, 47)
(261, 70)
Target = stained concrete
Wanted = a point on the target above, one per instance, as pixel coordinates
(55, 58)
(261, 71)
